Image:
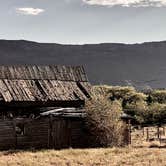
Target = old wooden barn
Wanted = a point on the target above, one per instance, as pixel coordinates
(42, 106)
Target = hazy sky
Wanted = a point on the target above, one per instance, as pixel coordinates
(83, 21)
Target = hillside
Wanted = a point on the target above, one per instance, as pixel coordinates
(141, 65)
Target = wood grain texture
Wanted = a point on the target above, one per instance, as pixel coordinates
(63, 73)
(42, 90)
(43, 83)
(44, 132)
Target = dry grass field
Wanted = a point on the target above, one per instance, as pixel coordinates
(138, 154)
(86, 157)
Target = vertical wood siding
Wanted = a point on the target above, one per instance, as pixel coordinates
(45, 132)
(7, 134)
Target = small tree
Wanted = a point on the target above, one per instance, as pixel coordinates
(158, 96)
(103, 120)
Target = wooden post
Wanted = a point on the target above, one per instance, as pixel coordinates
(129, 131)
(147, 134)
(50, 132)
(68, 134)
(14, 133)
(158, 133)
(164, 131)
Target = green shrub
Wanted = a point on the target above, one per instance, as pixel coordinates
(158, 96)
(145, 108)
(126, 95)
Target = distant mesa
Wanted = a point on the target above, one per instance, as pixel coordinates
(142, 65)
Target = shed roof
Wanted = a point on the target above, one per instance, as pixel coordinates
(43, 83)
(51, 72)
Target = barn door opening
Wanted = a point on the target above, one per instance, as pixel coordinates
(61, 133)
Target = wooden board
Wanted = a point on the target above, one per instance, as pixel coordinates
(62, 73)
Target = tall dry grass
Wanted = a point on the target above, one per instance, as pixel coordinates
(86, 157)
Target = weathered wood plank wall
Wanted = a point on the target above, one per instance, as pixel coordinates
(7, 134)
(45, 132)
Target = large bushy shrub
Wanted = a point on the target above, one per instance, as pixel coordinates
(103, 120)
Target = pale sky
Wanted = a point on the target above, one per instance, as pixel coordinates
(83, 21)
